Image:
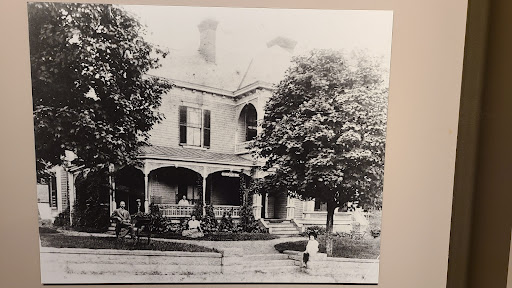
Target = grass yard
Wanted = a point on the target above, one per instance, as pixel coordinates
(221, 236)
(343, 247)
(59, 240)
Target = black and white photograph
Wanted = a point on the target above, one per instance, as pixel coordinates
(183, 144)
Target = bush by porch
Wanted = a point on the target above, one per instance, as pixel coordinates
(245, 223)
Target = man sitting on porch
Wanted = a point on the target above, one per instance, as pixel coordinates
(124, 221)
(184, 201)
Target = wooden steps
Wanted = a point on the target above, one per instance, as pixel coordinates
(282, 227)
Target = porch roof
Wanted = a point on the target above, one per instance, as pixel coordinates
(196, 155)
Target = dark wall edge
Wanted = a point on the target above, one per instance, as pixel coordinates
(467, 142)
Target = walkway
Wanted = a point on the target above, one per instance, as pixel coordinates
(260, 263)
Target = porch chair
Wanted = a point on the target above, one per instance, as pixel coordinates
(143, 229)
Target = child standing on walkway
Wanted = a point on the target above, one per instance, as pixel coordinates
(311, 249)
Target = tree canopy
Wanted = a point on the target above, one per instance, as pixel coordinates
(323, 134)
(91, 92)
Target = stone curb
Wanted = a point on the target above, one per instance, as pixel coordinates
(129, 252)
(333, 259)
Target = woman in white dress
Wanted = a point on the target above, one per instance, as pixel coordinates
(311, 249)
(194, 229)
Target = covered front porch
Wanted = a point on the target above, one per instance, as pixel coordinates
(168, 175)
(177, 191)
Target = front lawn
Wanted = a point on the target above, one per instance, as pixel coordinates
(343, 247)
(59, 240)
(221, 236)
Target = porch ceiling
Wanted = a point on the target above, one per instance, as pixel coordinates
(196, 155)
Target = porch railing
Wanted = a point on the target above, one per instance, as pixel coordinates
(219, 210)
(181, 211)
(176, 211)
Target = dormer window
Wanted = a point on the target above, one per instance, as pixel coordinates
(194, 127)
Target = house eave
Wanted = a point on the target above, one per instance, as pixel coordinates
(235, 95)
(199, 161)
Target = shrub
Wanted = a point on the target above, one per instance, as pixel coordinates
(47, 230)
(91, 207)
(247, 221)
(318, 230)
(226, 223)
(45, 223)
(198, 210)
(184, 224)
(91, 217)
(208, 223)
(62, 220)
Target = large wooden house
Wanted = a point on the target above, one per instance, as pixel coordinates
(200, 149)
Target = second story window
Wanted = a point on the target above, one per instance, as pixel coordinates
(194, 126)
(251, 124)
(247, 123)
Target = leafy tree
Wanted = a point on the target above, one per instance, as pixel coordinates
(92, 196)
(91, 92)
(323, 133)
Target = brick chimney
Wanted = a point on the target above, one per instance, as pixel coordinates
(283, 42)
(207, 31)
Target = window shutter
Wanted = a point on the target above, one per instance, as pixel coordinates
(183, 125)
(206, 128)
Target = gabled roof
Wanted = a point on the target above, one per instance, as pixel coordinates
(189, 66)
(195, 155)
(232, 69)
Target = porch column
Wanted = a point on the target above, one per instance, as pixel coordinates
(112, 193)
(71, 191)
(266, 205)
(290, 208)
(309, 206)
(58, 181)
(146, 192)
(204, 175)
(256, 206)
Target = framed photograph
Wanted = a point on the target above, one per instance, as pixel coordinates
(240, 145)
(244, 145)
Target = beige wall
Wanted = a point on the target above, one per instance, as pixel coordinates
(428, 42)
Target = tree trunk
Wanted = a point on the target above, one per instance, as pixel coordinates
(331, 206)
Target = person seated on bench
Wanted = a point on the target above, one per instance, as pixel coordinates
(194, 229)
(124, 221)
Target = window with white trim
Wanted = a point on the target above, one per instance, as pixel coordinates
(194, 126)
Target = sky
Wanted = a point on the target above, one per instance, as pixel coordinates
(245, 31)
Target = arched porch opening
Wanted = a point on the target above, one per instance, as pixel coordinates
(224, 191)
(129, 186)
(168, 185)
